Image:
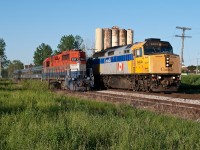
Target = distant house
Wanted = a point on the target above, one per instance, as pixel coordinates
(192, 69)
(28, 66)
(185, 69)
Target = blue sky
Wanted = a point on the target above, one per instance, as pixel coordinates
(24, 24)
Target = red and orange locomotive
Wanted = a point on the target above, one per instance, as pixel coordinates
(68, 70)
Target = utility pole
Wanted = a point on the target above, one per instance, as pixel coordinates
(0, 66)
(197, 69)
(183, 37)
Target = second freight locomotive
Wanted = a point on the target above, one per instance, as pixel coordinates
(66, 70)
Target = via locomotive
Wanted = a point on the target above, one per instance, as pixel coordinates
(66, 70)
(146, 66)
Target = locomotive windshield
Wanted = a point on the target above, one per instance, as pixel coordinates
(157, 47)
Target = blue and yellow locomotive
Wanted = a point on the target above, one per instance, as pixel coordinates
(145, 66)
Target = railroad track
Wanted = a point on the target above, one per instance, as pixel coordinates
(182, 107)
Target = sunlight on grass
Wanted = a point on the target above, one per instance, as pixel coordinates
(32, 117)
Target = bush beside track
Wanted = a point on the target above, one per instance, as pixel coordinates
(32, 117)
(190, 84)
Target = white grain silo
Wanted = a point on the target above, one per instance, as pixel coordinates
(129, 36)
(99, 39)
(107, 38)
(122, 37)
(115, 36)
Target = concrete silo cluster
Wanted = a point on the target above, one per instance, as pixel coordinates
(107, 38)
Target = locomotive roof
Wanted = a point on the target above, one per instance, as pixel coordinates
(37, 68)
(63, 52)
(32, 69)
(116, 48)
(119, 47)
(126, 47)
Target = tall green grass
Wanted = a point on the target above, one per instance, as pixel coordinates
(191, 79)
(190, 84)
(32, 117)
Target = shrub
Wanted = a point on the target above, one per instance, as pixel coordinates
(35, 85)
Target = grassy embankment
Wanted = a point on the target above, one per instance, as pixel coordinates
(190, 84)
(32, 117)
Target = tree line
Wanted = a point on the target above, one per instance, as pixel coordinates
(67, 42)
(43, 51)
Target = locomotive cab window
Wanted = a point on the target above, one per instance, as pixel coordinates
(47, 63)
(157, 48)
(139, 52)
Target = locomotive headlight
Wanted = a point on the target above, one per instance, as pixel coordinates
(167, 61)
(159, 77)
(173, 78)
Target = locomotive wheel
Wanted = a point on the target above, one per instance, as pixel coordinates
(63, 85)
(136, 87)
(87, 88)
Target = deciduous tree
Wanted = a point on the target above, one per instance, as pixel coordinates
(14, 65)
(78, 43)
(42, 51)
(191, 68)
(69, 42)
(2, 52)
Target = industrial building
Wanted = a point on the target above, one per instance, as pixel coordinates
(106, 38)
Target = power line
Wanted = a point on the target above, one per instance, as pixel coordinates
(183, 38)
(194, 33)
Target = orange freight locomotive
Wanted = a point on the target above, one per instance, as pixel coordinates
(66, 70)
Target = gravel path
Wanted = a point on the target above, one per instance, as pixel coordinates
(164, 98)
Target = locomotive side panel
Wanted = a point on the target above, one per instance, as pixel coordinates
(115, 65)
